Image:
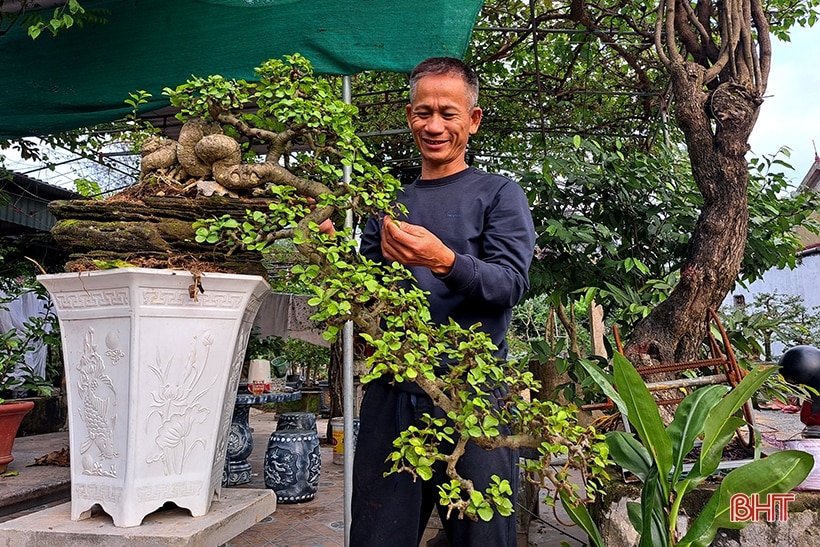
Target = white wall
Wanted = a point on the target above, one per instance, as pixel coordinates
(803, 281)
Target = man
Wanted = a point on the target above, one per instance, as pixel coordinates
(468, 239)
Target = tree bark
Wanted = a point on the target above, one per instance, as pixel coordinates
(155, 228)
(674, 330)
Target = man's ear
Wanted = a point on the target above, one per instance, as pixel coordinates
(475, 119)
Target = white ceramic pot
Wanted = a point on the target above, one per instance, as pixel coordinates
(259, 375)
(152, 359)
(812, 446)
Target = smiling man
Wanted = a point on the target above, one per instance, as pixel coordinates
(468, 240)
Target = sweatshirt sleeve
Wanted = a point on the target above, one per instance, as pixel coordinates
(498, 273)
(370, 244)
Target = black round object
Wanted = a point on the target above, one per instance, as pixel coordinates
(801, 365)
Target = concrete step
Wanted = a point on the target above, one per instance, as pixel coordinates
(34, 486)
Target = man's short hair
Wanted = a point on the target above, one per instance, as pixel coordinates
(446, 65)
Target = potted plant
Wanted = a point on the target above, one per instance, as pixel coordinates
(11, 412)
(11, 415)
(310, 138)
(18, 381)
(153, 359)
(657, 455)
(313, 138)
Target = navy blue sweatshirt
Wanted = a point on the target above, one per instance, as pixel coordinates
(485, 219)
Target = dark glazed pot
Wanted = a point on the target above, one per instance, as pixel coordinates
(293, 465)
(296, 420)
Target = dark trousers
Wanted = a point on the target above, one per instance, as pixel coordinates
(393, 511)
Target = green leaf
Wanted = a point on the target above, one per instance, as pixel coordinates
(485, 513)
(654, 529)
(688, 422)
(778, 473)
(579, 514)
(643, 413)
(476, 498)
(605, 385)
(633, 513)
(720, 422)
(630, 454)
(426, 473)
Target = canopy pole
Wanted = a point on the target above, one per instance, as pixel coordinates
(347, 359)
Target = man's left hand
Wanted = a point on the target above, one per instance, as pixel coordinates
(414, 245)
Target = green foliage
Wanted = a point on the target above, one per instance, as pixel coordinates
(260, 347)
(755, 328)
(15, 344)
(88, 188)
(65, 16)
(308, 360)
(612, 225)
(774, 211)
(62, 18)
(656, 455)
(135, 100)
(392, 316)
(289, 356)
(286, 95)
(559, 345)
(772, 318)
(784, 15)
(17, 276)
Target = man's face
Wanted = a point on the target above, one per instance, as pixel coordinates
(442, 119)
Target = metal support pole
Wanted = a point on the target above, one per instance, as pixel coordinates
(347, 359)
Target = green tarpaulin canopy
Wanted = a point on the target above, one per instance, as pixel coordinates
(82, 76)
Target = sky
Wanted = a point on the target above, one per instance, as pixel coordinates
(790, 114)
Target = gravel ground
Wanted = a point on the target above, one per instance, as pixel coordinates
(776, 426)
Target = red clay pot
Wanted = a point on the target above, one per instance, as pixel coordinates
(11, 414)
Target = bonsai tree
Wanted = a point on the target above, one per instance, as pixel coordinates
(308, 139)
(288, 137)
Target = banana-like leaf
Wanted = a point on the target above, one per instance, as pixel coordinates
(654, 522)
(626, 451)
(688, 423)
(605, 385)
(633, 512)
(708, 461)
(715, 436)
(778, 473)
(581, 517)
(643, 414)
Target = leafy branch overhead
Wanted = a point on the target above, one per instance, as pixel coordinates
(306, 135)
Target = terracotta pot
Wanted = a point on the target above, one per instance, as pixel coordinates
(11, 414)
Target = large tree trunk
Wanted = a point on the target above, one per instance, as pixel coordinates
(674, 330)
(719, 75)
